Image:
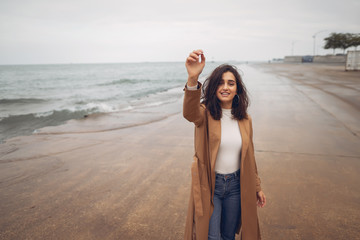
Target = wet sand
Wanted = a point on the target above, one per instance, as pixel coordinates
(133, 183)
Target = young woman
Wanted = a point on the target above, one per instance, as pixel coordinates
(225, 185)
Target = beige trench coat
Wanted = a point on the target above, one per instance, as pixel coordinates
(203, 175)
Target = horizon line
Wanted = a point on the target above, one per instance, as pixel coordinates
(79, 63)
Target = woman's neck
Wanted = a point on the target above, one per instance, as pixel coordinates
(226, 106)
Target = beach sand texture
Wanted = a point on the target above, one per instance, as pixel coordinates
(134, 182)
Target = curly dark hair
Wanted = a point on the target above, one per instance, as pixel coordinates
(212, 103)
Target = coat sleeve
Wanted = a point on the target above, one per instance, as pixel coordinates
(258, 181)
(193, 111)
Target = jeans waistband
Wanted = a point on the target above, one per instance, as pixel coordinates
(229, 175)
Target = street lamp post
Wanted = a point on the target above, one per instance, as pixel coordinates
(292, 47)
(314, 37)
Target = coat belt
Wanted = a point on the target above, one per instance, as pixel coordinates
(196, 187)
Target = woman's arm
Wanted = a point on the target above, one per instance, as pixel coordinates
(192, 110)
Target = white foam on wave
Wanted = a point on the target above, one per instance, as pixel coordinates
(175, 90)
(127, 108)
(89, 108)
(153, 104)
(43, 114)
(101, 107)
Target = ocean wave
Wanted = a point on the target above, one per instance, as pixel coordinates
(46, 118)
(147, 92)
(22, 100)
(127, 108)
(61, 115)
(124, 81)
(15, 125)
(101, 107)
(154, 104)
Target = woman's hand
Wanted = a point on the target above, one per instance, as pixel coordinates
(261, 199)
(194, 67)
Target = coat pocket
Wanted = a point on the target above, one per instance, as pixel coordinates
(196, 187)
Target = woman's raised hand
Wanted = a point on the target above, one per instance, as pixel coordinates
(195, 63)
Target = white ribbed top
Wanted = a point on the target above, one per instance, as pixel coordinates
(228, 157)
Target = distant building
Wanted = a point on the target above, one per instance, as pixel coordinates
(293, 59)
(277, 60)
(330, 59)
(315, 59)
(352, 60)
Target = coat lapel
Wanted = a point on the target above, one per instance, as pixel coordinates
(245, 141)
(214, 139)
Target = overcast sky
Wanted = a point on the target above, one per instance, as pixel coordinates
(93, 31)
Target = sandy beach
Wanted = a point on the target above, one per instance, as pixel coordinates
(134, 182)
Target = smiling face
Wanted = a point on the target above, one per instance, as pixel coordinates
(226, 90)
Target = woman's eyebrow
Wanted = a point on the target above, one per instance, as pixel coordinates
(230, 80)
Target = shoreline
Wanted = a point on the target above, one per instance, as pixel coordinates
(114, 120)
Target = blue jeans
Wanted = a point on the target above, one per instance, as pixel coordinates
(227, 207)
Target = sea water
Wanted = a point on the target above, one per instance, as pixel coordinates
(35, 96)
